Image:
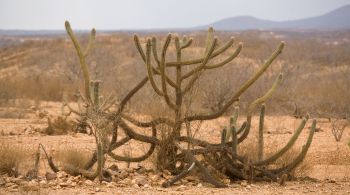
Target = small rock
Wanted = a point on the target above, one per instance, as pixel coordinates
(76, 178)
(73, 184)
(63, 184)
(2, 182)
(181, 188)
(191, 178)
(89, 183)
(141, 180)
(129, 170)
(110, 185)
(50, 176)
(13, 187)
(114, 167)
(226, 181)
(52, 183)
(123, 174)
(244, 183)
(97, 189)
(61, 174)
(135, 186)
(200, 185)
(154, 178)
(140, 169)
(332, 181)
(13, 190)
(97, 180)
(16, 180)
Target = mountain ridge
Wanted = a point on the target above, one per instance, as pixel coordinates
(338, 19)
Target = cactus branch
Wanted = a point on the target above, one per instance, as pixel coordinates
(82, 57)
(261, 134)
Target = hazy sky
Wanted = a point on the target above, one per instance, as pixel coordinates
(144, 14)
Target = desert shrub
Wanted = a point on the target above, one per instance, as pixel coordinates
(11, 158)
(73, 159)
(59, 126)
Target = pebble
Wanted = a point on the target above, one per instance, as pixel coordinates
(50, 176)
(89, 182)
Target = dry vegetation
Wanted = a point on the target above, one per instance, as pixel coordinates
(48, 69)
(316, 81)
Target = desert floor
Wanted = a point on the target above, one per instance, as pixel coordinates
(327, 162)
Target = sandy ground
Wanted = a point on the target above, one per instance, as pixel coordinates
(328, 160)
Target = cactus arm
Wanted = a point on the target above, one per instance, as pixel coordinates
(261, 70)
(136, 159)
(233, 121)
(286, 147)
(96, 88)
(223, 136)
(217, 52)
(186, 43)
(136, 136)
(209, 40)
(244, 87)
(242, 128)
(139, 47)
(197, 71)
(98, 171)
(267, 95)
(163, 73)
(143, 56)
(234, 139)
(156, 121)
(156, 58)
(82, 56)
(256, 102)
(131, 93)
(91, 42)
(154, 51)
(302, 154)
(149, 68)
(261, 134)
(228, 60)
(205, 61)
(178, 76)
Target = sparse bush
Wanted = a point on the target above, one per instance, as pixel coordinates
(338, 127)
(59, 126)
(72, 159)
(11, 158)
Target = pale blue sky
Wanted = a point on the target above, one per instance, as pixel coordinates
(145, 14)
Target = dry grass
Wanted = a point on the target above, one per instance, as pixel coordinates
(249, 150)
(316, 80)
(11, 159)
(71, 159)
(58, 126)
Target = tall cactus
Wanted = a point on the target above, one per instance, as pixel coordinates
(223, 156)
(184, 81)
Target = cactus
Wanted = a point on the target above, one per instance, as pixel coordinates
(173, 89)
(223, 156)
(96, 115)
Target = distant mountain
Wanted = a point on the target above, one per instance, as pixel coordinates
(335, 20)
